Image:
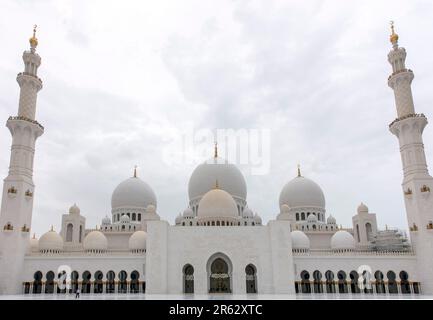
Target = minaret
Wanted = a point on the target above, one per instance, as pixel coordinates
(417, 183)
(18, 187)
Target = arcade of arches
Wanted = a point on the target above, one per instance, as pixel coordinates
(98, 284)
(351, 282)
(220, 282)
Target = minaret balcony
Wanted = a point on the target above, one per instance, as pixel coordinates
(412, 115)
(21, 118)
(399, 71)
(30, 75)
(29, 78)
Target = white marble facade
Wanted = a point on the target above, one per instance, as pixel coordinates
(218, 244)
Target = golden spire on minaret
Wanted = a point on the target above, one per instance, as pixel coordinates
(33, 40)
(394, 36)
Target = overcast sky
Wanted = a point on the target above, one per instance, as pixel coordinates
(122, 78)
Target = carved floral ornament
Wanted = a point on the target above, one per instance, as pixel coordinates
(8, 226)
(425, 188)
(219, 275)
(408, 192)
(12, 190)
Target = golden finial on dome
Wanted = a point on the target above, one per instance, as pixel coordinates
(135, 171)
(33, 40)
(394, 36)
(299, 170)
(52, 228)
(216, 184)
(34, 236)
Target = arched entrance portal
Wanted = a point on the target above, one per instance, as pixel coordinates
(251, 278)
(219, 271)
(188, 279)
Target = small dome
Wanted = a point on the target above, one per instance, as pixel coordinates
(106, 220)
(217, 203)
(188, 213)
(74, 209)
(362, 208)
(312, 218)
(331, 220)
(258, 219)
(300, 240)
(151, 209)
(137, 241)
(51, 241)
(285, 208)
(178, 219)
(302, 192)
(230, 179)
(284, 213)
(34, 244)
(342, 240)
(95, 240)
(133, 192)
(247, 213)
(125, 219)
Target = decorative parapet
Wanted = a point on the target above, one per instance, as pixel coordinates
(82, 252)
(353, 253)
(30, 75)
(411, 115)
(26, 119)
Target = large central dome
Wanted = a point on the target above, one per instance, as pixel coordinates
(229, 177)
(133, 192)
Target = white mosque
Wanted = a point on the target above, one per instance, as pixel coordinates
(218, 244)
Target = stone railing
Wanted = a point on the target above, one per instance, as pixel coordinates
(411, 115)
(26, 119)
(85, 253)
(353, 253)
(29, 74)
(399, 71)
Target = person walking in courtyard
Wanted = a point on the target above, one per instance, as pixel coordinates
(77, 294)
